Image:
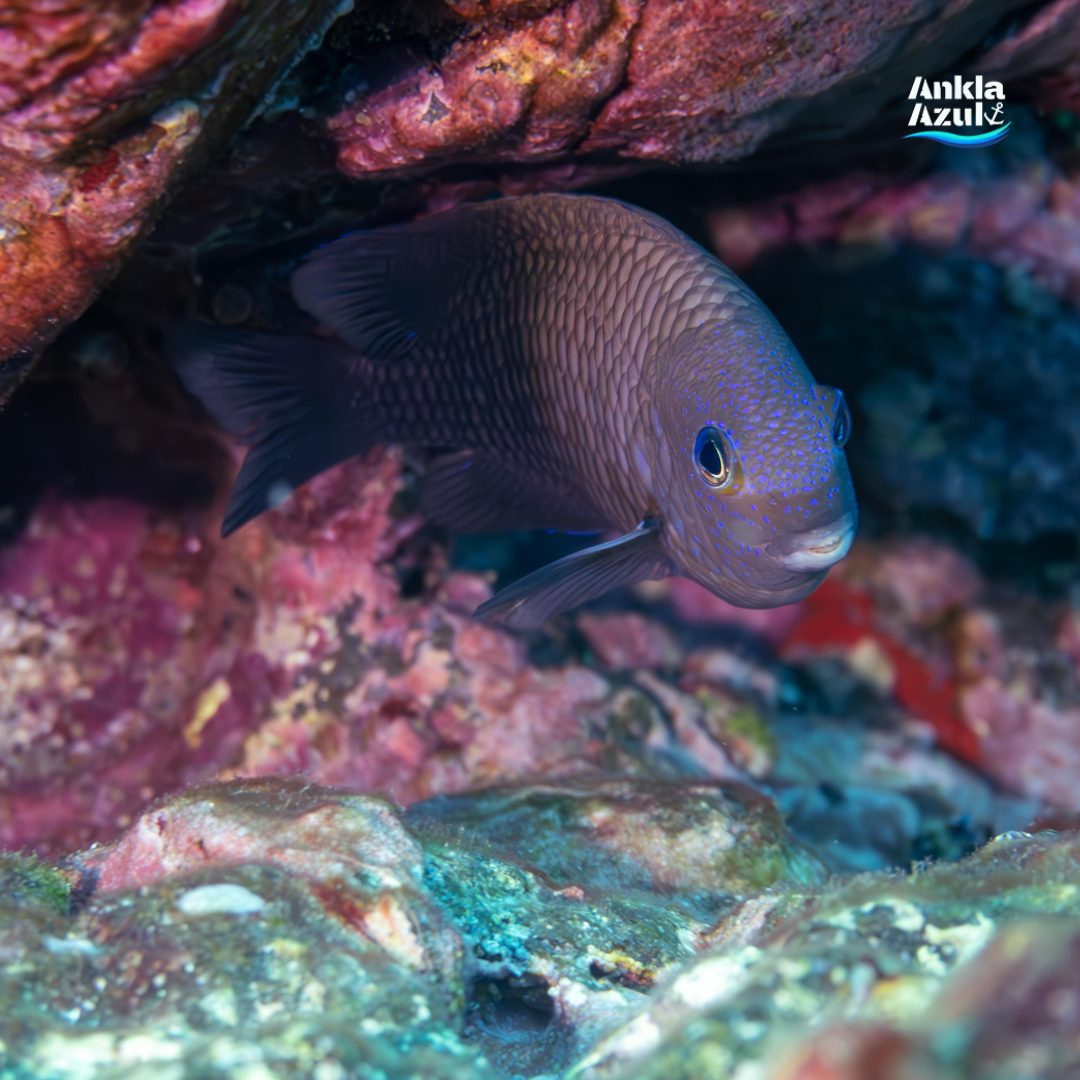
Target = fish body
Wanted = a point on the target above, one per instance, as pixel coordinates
(577, 364)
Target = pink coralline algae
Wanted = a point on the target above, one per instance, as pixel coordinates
(696, 605)
(656, 80)
(100, 107)
(1026, 221)
(324, 837)
(628, 641)
(307, 816)
(1047, 46)
(103, 107)
(138, 653)
(539, 79)
(141, 654)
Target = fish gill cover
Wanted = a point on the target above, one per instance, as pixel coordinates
(278, 804)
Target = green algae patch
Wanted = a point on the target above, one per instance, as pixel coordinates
(26, 880)
(517, 922)
(232, 968)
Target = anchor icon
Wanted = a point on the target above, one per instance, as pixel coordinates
(993, 118)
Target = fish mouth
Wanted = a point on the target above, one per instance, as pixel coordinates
(816, 549)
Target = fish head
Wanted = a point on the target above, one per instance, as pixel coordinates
(757, 501)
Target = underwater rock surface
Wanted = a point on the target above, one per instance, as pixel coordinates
(104, 109)
(101, 106)
(601, 928)
(647, 79)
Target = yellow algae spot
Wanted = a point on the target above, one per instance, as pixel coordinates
(617, 962)
(179, 118)
(287, 948)
(210, 700)
(936, 223)
(518, 66)
(870, 230)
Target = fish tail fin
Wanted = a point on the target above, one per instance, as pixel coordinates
(300, 404)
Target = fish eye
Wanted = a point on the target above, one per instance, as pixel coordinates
(841, 429)
(712, 457)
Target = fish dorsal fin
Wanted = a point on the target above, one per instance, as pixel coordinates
(530, 602)
(472, 491)
(383, 290)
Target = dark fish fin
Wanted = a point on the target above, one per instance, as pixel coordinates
(530, 602)
(382, 289)
(472, 491)
(463, 493)
(288, 398)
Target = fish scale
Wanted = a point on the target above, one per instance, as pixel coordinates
(565, 355)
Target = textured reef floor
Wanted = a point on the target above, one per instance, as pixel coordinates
(705, 842)
(277, 807)
(588, 927)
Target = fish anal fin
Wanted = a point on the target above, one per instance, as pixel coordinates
(528, 603)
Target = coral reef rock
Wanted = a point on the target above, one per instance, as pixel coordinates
(601, 928)
(958, 971)
(654, 80)
(104, 107)
(100, 106)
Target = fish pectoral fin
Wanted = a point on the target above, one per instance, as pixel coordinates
(471, 491)
(527, 604)
(383, 290)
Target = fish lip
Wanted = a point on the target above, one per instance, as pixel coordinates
(816, 549)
